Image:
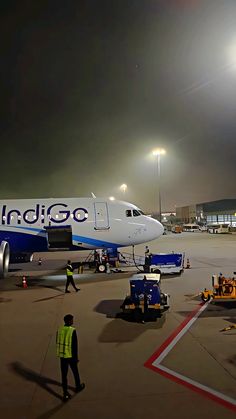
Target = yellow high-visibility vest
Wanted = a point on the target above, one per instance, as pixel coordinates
(64, 341)
(69, 272)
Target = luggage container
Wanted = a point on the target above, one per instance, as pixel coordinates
(167, 263)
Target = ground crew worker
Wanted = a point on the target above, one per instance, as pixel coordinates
(70, 279)
(221, 279)
(96, 261)
(147, 253)
(67, 351)
(148, 257)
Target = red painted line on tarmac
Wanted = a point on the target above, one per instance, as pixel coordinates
(167, 342)
(195, 388)
(180, 379)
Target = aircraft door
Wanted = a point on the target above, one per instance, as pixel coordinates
(59, 237)
(101, 216)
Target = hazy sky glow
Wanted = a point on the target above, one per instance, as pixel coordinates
(90, 88)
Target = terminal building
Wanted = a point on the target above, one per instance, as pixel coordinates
(214, 212)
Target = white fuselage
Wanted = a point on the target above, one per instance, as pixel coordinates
(94, 223)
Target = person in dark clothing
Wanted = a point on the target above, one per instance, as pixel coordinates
(67, 351)
(221, 279)
(96, 261)
(70, 279)
(148, 258)
(147, 254)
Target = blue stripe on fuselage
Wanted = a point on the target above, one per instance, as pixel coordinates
(22, 242)
(96, 243)
(25, 242)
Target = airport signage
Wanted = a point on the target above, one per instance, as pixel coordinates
(56, 213)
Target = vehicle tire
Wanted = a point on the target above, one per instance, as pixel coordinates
(158, 314)
(163, 299)
(137, 315)
(101, 268)
(228, 289)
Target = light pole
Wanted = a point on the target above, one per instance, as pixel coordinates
(123, 188)
(158, 152)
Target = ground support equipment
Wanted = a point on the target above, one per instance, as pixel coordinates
(223, 289)
(146, 300)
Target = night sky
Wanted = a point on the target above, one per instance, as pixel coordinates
(89, 88)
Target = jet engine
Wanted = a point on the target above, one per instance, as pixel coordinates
(4, 258)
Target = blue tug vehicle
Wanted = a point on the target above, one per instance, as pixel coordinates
(146, 301)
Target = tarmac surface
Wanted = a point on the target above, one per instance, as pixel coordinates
(113, 352)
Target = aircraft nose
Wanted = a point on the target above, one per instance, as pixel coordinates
(155, 230)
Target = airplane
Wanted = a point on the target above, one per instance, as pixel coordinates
(59, 224)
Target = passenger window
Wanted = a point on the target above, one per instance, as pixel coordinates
(128, 213)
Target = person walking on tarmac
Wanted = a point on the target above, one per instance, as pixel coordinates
(67, 351)
(70, 279)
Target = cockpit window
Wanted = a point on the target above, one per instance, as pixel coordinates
(133, 213)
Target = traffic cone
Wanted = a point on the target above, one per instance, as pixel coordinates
(188, 264)
(40, 262)
(24, 282)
